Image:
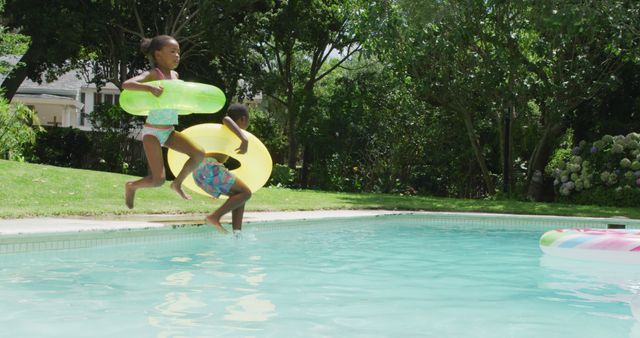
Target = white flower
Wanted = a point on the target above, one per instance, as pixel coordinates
(625, 163)
(579, 186)
(574, 168)
(629, 175)
(617, 148)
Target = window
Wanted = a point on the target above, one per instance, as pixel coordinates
(109, 99)
(82, 115)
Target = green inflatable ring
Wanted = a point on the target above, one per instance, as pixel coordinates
(185, 97)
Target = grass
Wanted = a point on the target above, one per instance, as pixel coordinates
(40, 190)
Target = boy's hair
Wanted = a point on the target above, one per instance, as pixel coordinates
(148, 47)
(237, 110)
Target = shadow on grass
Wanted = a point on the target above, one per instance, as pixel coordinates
(423, 203)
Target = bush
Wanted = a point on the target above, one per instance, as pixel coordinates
(113, 149)
(605, 172)
(282, 176)
(18, 129)
(64, 147)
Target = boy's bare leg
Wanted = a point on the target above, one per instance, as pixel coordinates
(238, 195)
(236, 217)
(178, 142)
(215, 221)
(156, 177)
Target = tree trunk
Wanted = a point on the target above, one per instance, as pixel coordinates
(291, 134)
(308, 102)
(539, 159)
(17, 75)
(477, 152)
(306, 161)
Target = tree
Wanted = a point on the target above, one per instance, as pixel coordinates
(575, 53)
(477, 59)
(56, 32)
(297, 38)
(113, 52)
(16, 123)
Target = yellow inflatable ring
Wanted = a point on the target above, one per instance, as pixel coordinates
(185, 97)
(255, 164)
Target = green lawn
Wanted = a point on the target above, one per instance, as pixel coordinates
(41, 190)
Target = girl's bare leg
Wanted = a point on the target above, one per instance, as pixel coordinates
(238, 196)
(178, 142)
(156, 177)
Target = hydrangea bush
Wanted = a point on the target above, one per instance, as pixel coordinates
(605, 172)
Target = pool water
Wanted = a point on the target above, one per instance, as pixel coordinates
(393, 276)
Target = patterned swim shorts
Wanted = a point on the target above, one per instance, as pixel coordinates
(213, 177)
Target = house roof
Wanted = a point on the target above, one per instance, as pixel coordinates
(48, 99)
(67, 84)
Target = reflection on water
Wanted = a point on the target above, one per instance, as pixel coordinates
(185, 308)
(586, 280)
(250, 308)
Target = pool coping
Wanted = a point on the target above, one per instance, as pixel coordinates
(61, 225)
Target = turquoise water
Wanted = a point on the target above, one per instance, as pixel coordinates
(394, 276)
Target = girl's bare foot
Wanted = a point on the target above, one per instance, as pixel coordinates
(129, 194)
(215, 221)
(178, 189)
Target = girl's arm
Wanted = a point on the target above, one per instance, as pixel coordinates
(244, 145)
(138, 83)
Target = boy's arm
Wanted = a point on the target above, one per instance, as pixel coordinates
(138, 83)
(244, 145)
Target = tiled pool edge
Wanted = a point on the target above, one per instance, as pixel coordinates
(539, 221)
(73, 233)
(51, 225)
(90, 233)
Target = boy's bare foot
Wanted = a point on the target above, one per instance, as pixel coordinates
(215, 221)
(129, 194)
(178, 189)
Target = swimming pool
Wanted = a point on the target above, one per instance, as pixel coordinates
(389, 276)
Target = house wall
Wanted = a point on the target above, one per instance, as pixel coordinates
(48, 113)
(90, 100)
(58, 111)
